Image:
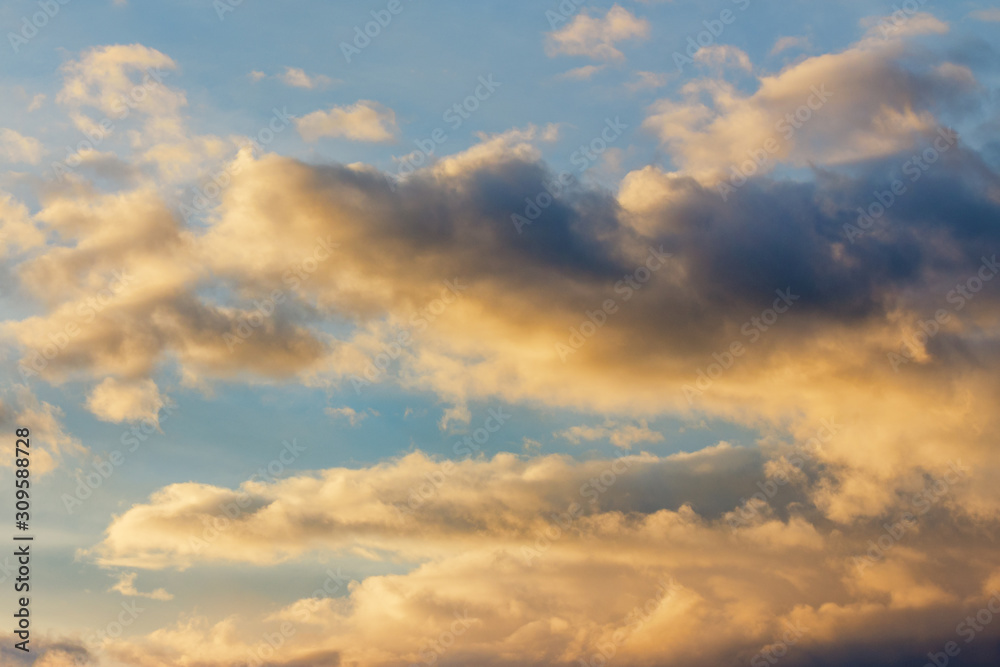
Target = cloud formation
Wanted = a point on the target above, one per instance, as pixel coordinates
(595, 37)
(363, 121)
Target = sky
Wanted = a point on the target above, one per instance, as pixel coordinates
(396, 332)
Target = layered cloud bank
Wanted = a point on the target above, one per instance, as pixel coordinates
(695, 557)
(818, 263)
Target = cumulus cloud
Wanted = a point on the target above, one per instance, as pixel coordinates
(120, 78)
(49, 441)
(723, 55)
(666, 547)
(362, 121)
(834, 109)
(514, 333)
(297, 78)
(115, 401)
(620, 435)
(786, 43)
(46, 651)
(126, 586)
(353, 417)
(596, 37)
(581, 73)
(18, 231)
(15, 147)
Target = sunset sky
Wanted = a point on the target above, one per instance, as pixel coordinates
(399, 332)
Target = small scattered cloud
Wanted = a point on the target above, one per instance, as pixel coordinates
(120, 401)
(350, 414)
(36, 102)
(51, 443)
(620, 435)
(458, 413)
(786, 43)
(724, 55)
(15, 147)
(363, 121)
(596, 37)
(581, 73)
(297, 78)
(126, 586)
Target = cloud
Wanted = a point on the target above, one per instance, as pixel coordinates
(116, 78)
(581, 73)
(498, 313)
(49, 441)
(362, 121)
(723, 55)
(627, 303)
(624, 435)
(296, 77)
(786, 43)
(126, 586)
(15, 147)
(46, 651)
(353, 417)
(529, 541)
(857, 105)
(117, 401)
(596, 37)
(18, 231)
